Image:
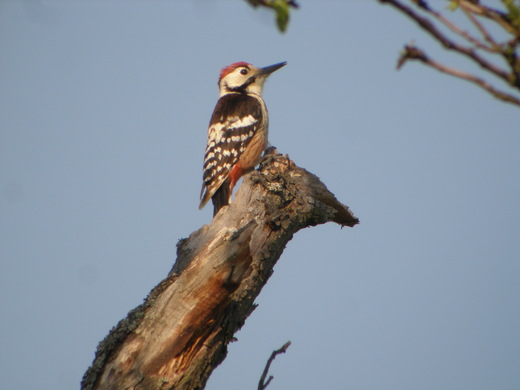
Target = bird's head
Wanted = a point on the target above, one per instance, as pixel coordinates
(245, 78)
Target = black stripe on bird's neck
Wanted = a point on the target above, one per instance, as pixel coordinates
(242, 88)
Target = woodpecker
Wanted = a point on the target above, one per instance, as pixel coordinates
(237, 132)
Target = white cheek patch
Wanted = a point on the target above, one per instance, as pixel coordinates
(235, 79)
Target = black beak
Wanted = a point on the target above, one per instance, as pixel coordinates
(271, 68)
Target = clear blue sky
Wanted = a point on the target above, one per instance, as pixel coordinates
(104, 107)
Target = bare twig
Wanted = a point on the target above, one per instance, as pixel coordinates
(467, 11)
(432, 21)
(262, 385)
(414, 53)
(454, 28)
(495, 15)
(469, 52)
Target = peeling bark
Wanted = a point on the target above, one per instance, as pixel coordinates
(180, 333)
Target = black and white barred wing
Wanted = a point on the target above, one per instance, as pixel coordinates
(233, 124)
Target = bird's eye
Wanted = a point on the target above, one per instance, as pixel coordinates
(243, 71)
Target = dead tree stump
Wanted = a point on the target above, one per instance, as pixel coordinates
(180, 333)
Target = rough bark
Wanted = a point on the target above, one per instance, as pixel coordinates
(180, 333)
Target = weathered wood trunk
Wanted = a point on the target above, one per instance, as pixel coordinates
(180, 333)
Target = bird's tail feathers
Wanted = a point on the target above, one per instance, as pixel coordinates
(221, 197)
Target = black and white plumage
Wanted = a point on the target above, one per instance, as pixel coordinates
(237, 133)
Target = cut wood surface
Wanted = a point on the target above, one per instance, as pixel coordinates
(180, 333)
